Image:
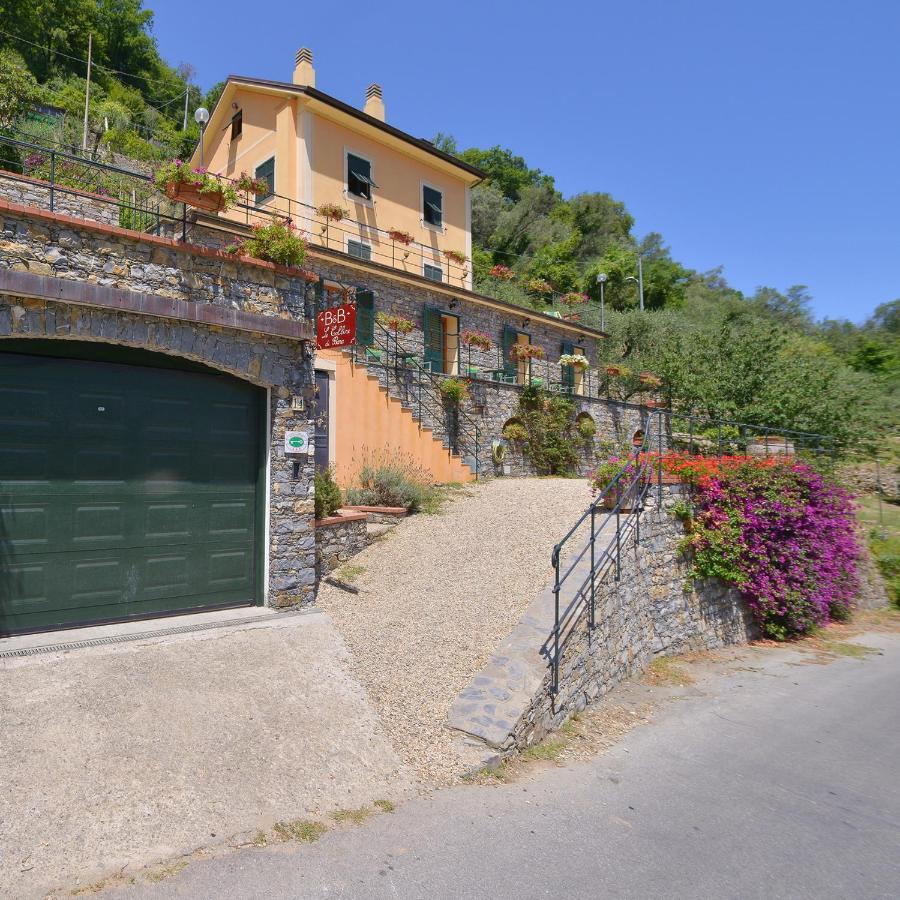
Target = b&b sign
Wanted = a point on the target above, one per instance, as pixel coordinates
(336, 327)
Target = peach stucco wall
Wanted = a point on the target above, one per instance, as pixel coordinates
(368, 424)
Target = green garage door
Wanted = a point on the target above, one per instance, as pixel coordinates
(129, 487)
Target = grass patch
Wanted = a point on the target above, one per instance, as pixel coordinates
(303, 830)
(349, 573)
(548, 750)
(352, 816)
(488, 774)
(260, 839)
(385, 806)
(163, 872)
(844, 648)
(664, 670)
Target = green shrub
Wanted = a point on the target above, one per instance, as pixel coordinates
(454, 390)
(393, 481)
(587, 428)
(515, 432)
(553, 441)
(277, 243)
(886, 550)
(328, 494)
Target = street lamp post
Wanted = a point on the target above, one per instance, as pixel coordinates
(602, 278)
(201, 117)
(639, 281)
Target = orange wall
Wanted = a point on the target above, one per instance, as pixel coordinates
(397, 200)
(369, 423)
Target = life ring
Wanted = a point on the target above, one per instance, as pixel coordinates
(498, 452)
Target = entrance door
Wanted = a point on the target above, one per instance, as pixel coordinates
(450, 344)
(323, 402)
(127, 489)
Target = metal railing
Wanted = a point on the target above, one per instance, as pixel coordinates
(418, 388)
(617, 511)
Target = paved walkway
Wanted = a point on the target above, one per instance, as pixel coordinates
(115, 756)
(773, 777)
(438, 595)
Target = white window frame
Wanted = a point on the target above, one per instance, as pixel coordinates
(355, 198)
(433, 265)
(439, 229)
(362, 243)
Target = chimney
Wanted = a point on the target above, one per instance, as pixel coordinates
(374, 104)
(304, 73)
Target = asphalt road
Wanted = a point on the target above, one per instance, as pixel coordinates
(783, 781)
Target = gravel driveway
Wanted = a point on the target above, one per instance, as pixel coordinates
(438, 594)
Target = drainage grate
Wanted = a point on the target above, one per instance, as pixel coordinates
(142, 635)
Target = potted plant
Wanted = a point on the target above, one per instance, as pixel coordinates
(400, 237)
(648, 379)
(476, 339)
(576, 361)
(574, 298)
(277, 242)
(247, 184)
(195, 187)
(615, 494)
(525, 352)
(393, 322)
(456, 256)
(454, 390)
(333, 212)
(502, 273)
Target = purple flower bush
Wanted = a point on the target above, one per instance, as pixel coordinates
(784, 535)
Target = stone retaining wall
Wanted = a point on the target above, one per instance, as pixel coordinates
(649, 612)
(338, 538)
(36, 193)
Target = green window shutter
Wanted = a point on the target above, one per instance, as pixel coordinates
(365, 318)
(568, 373)
(434, 339)
(509, 338)
(266, 172)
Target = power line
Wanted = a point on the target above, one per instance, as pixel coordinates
(96, 65)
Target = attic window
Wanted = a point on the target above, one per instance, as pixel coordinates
(359, 177)
(237, 124)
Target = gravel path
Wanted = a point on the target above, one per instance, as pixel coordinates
(438, 594)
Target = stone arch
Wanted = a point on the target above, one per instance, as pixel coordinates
(514, 423)
(260, 359)
(586, 425)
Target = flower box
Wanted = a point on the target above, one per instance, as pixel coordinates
(183, 192)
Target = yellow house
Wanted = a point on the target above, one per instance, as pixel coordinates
(393, 198)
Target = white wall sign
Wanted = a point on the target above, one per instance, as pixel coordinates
(297, 442)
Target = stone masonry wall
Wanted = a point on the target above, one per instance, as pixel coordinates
(63, 251)
(33, 192)
(337, 539)
(649, 612)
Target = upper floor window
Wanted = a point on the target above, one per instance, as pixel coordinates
(433, 273)
(359, 177)
(266, 172)
(237, 124)
(432, 206)
(359, 249)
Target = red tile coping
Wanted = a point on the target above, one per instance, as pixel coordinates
(141, 237)
(386, 510)
(340, 518)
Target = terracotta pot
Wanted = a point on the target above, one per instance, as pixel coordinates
(211, 201)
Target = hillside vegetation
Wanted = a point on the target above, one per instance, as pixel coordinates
(759, 359)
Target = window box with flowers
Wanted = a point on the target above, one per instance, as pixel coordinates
(393, 322)
(575, 361)
(247, 184)
(525, 352)
(476, 339)
(456, 256)
(332, 212)
(400, 237)
(455, 391)
(195, 187)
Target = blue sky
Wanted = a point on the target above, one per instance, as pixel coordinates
(762, 136)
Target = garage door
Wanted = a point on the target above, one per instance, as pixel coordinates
(129, 487)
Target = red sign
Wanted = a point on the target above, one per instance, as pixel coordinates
(336, 327)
